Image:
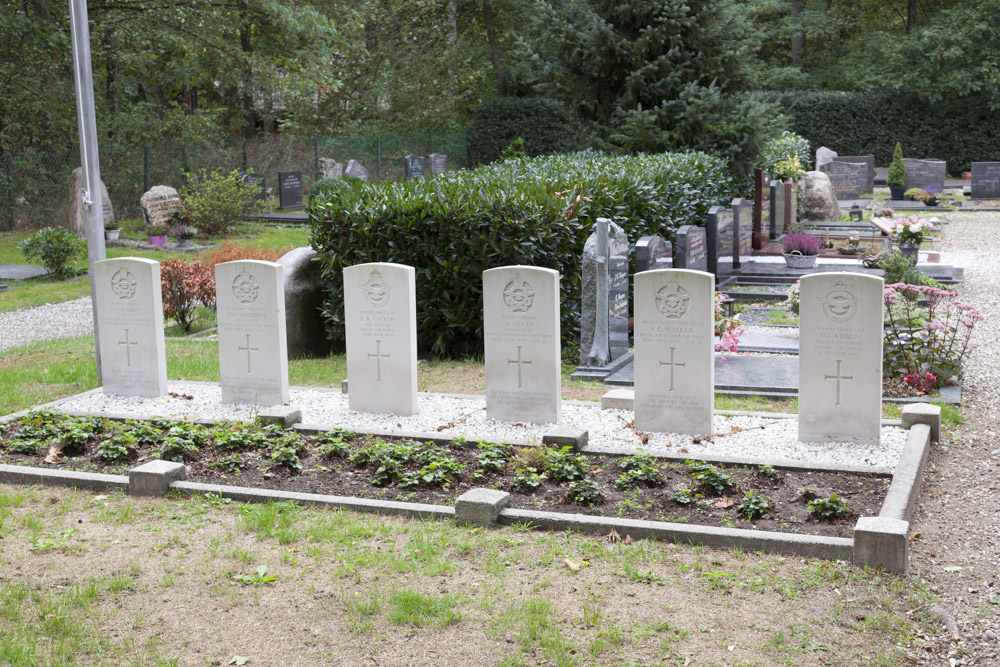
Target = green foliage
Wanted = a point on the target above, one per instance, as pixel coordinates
(56, 249)
(116, 448)
(214, 202)
(541, 124)
(286, 454)
(437, 468)
(514, 150)
(754, 505)
(897, 169)
(452, 227)
(767, 471)
(563, 465)
(232, 436)
(332, 187)
(787, 145)
(231, 463)
(528, 478)
(683, 496)
(26, 446)
(182, 441)
(184, 286)
(709, 476)
(638, 468)
(584, 491)
(900, 269)
(829, 508)
(492, 457)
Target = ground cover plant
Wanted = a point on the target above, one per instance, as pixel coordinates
(346, 463)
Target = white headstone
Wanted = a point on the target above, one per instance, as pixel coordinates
(521, 337)
(840, 358)
(380, 316)
(253, 353)
(824, 155)
(674, 355)
(130, 318)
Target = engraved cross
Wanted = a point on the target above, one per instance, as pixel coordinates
(378, 357)
(838, 377)
(128, 348)
(519, 363)
(248, 350)
(673, 364)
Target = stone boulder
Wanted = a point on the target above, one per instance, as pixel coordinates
(77, 209)
(819, 199)
(160, 205)
(304, 326)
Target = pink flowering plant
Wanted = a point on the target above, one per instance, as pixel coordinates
(727, 328)
(911, 229)
(801, 243)
(928, 335)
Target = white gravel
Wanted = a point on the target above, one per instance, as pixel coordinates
(53, 320)
(737, 437)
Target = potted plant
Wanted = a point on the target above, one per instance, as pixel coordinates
(896, 178)
(933, 196)
(915, 194)
(910, 234)
(184, 234)
(111, 231)
(800, 250)
(157, 234)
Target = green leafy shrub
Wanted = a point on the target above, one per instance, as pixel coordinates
(786, 145)
(898, 268)
(214, 202)
(184, 286)
(492, 457)
(514, 150)
(231, 463)
(26, 446)
(287, 454)
(528, 478)
(638, 468)
(437, 468)
(116, 448)
(563, 465)
(683, 496)
(452, 227)
(754, 505)
(584, 491)
(829, 508)
(56, 249)
(709, 476)
(500, 121)
(332, 443)
(897, 168)
(332, 187)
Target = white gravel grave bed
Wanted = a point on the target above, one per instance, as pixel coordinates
(736, 437)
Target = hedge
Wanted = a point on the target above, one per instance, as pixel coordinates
(545, 125)
(533, 211)
(960, 131)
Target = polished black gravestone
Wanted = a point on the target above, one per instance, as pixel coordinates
(290, 190)
(985, 180)
(925, 174)
(720, 236)
(691, 251)
(653, 253)
(777, 229)
(413, 166)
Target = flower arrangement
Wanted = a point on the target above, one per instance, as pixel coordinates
(157, 230)
(727, 328)
(911, 229)
(922, 384)
(800, 243)
(788, 168)
(184, 231)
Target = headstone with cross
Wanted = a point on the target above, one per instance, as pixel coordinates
(130, 319)
(840, 358)
(674, 363)
(253, 352)
(380, 311)
(522, 346)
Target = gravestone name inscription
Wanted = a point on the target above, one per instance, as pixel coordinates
(290, 190)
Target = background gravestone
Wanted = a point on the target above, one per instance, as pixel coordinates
(824, 155)
(380, 319)
(762, 209)
(77, 220)
(850, 180)
(130, 319)
(986, 180)
(160, 206)
(691, 251)
(674, 355)
(259, 184)
(304, 326)
(604, 303)
(253, 352)
(743, 221)
(653, 253)
(290, 190)
(840, 358)
(720, 237)
(522, 344)
(818, 197)
(438, 163)
(925, 174)
(869, 160)
(777, 223)
(357, 170)
(413, 166)
(330, 168)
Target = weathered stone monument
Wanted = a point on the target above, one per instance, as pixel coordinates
(522, 346)
(290, 190)
(850, 180)
(819, 198)
(380, 315)
(438, 163)
(330, 168)
(743, 219)
(356, 170)
(986, 180)
(868, 160)
(604, 310)
(413, 166)
(840, 358)
(130, 319)
(160, 206)
(691, 251)
(824, 155)
(253, 353)
(720, 236)
(77, 219)
(674, 355)
(304, 326)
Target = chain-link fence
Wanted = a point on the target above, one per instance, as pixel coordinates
(35, 184)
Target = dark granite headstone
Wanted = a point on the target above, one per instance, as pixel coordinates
(761, 208)
(604, 307)
(986, 180)
(866, 159)
(692, 250)
(290, 190)
(777, 228)
(743, 220)
(438, 163)
(849, 179)
(925, 174)
(653, 253)
(618, 294)
(413, 166)
(720, 237)
(258, 183)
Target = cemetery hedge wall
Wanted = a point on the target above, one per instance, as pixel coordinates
(960, 131)
(545, 125)
(533, 211)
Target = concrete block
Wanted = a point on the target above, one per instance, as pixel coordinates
(923, 413)
(343, 387)
(285, 415)
(618, 399)
(882, 542)
(480, 507)
(561, 436)
(154, 478)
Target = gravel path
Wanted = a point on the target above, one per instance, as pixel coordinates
(957, 522)
(53, 320)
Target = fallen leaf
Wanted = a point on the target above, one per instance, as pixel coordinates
(186, 397)
(571, 565)
(55, 454)
(613, 536)
(724, 502)
(915, 534)
(238, 660)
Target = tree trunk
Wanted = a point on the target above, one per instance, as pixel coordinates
(453, 20)
(111, 69)
(249, 117)
(911, 14)
(798, 40)
(491, 37)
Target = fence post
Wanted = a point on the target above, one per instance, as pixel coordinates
(10, 190)
(468, 152)
(378, 158)
(145, 168)
(245, 171)
(430, 141)
(316, 157)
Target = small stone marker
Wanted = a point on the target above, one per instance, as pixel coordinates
(674, 364)
(356, 170)
(253, 352)
(380, 315)
(840, 358)
(330, 168)
(924, 174)
(130, 317)
(653, 253)
(692, 248)
(849, 179)
(522, 344)
(413, 166)
(290, 190)
(438, 163)
(777, 223)
(985, 180)
(604, 308)
(743, 221)
(720, 233)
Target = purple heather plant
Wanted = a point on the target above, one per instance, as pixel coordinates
(801, 243)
